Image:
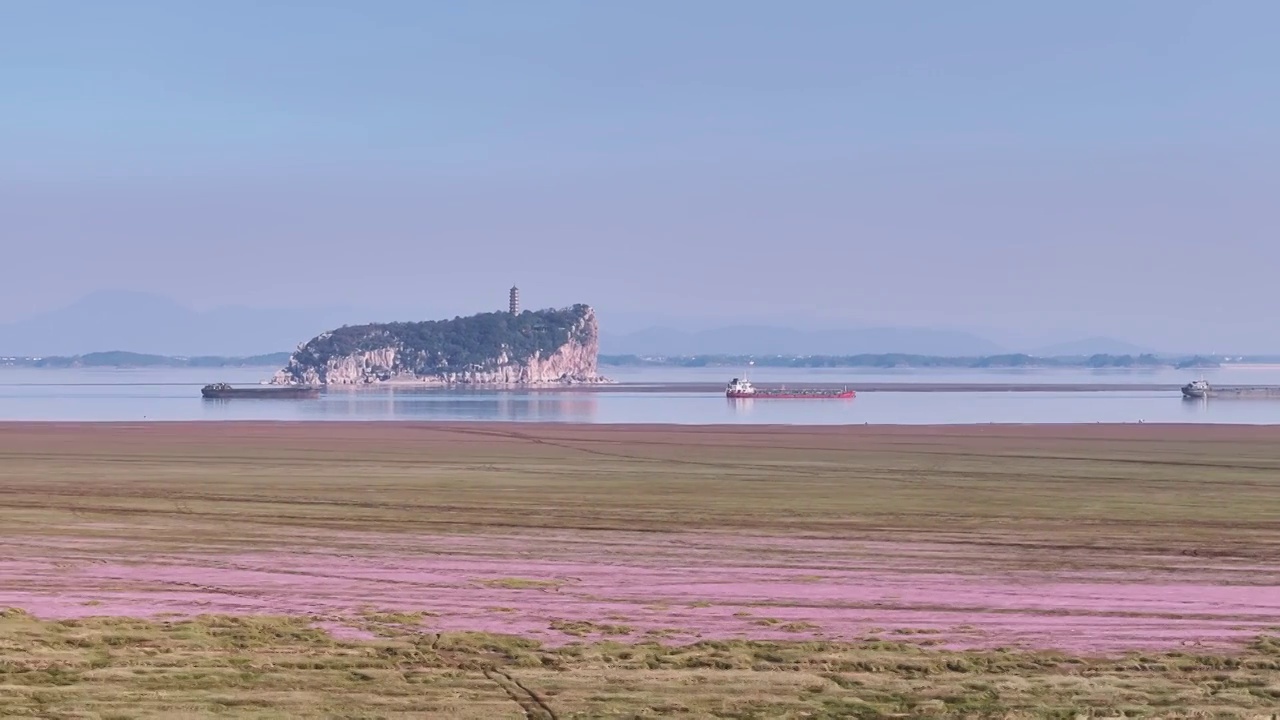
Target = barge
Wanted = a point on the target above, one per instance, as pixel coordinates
(220, 391)
(1198, 389)
(742, 389)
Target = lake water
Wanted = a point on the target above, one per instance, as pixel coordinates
(169, 394)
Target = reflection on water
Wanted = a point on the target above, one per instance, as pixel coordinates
(175, 395)
(414, 404)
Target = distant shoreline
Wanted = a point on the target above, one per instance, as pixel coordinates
(122, 360)
(703, 387)
(731, 363)
(890, 361)
(887, 361)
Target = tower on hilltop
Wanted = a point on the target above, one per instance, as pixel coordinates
(514, 303)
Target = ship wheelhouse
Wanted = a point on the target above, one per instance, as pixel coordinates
(1196, 389)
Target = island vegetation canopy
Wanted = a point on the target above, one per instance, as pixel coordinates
(442, 345)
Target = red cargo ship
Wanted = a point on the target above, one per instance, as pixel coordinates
(741, 389)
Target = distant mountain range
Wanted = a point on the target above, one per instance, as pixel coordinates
(155, 325)
(766, 340)
(152, 324)
(120, 359)
(772, 340)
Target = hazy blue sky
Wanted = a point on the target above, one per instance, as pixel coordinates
(1102, 167)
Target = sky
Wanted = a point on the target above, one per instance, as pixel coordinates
(1038, 170)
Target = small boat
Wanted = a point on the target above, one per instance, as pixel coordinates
(742, 389)
(219, 391)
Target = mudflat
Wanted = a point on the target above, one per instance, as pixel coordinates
(491, 570)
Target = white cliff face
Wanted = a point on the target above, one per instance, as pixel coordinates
(345, 370)
(574, 362)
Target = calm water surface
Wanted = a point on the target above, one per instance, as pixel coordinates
(169, 394)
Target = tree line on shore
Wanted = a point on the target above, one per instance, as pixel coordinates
(903, 360)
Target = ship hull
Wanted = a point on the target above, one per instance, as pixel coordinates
(276, 393)
(1272, 393)
(768, 395)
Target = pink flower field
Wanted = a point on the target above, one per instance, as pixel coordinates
(679, 587)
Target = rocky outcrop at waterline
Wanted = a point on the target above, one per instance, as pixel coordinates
(559, 346)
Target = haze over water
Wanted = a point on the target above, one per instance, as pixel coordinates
(174, 394)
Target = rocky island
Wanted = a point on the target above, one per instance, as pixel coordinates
(553, 346)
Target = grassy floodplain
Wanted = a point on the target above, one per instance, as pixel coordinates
(557, 571)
